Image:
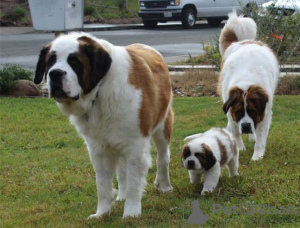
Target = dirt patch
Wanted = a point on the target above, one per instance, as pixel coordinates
(197, 83)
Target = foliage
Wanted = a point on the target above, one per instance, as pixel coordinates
(89, 10)
(268, 24)
(111, 9)
(19, 12)
(278, 30)
(11, 73)
(47, 179)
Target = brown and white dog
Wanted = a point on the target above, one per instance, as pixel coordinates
(117, 98)
(206, 153)
(247, 82)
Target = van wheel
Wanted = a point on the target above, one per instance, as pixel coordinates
(188, 19)
(214, 22)
(149, 24)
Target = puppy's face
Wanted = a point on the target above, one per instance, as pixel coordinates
(247, 109)
(73, 66)
(197, 156)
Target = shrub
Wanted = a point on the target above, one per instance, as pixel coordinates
(280, 32)
(89, 10)
(19, 12)
(269, 24)
(11, 73)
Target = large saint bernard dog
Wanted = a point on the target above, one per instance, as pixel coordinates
(118, 98)
(248, 79)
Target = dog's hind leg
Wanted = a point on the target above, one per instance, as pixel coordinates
(162, 138)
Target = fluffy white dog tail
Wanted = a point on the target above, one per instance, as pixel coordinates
(237, 28)
(191, 137)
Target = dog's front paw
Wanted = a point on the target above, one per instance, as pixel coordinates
(256, 158)
(207, 190)
(132, 209)
(94, 216)
(163, 187)
(257, 155)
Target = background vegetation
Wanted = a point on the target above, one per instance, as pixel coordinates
(47, 179)
(10, 73)
(269, 25)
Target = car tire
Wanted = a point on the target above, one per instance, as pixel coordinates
(188, 19)
(150, 24)
(214, 22)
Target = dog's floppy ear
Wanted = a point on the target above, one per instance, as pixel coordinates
(99, 58)
(186, 152)
(101, 65)
(41, 65)
(258, 96)
(210, 159)
(234, 95)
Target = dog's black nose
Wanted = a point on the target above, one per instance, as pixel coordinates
(246, 128)
(56, 74)
(191, 164)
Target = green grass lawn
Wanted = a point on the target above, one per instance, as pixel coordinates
(47, 179)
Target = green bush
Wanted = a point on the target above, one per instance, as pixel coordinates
(19, 12)
(11, 73)
(89, 10)
(280, 32)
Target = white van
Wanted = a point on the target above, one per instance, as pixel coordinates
(188, 11)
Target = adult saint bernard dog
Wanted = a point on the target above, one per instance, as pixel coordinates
(118, 98)
(247, 82)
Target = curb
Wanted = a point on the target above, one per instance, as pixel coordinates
(283, 68)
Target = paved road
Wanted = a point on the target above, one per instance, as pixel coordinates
(173, 42)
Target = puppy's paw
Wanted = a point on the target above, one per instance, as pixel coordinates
(120, 198)
(242, 147)
(252, 137)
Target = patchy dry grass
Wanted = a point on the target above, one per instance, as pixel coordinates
(198, 83)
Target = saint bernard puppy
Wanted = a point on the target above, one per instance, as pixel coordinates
(247, 82)
(206, 153)
(118, 98)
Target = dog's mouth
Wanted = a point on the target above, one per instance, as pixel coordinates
(61, 96)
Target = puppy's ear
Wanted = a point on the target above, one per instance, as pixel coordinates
(185, 153)
(41, 65)
(210, 159)
(234, 94)
(191, 137)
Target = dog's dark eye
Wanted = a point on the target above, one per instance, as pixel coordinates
(251, 112)
(197, 155)
(51, 60)
(239, 114)
(73, 59)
